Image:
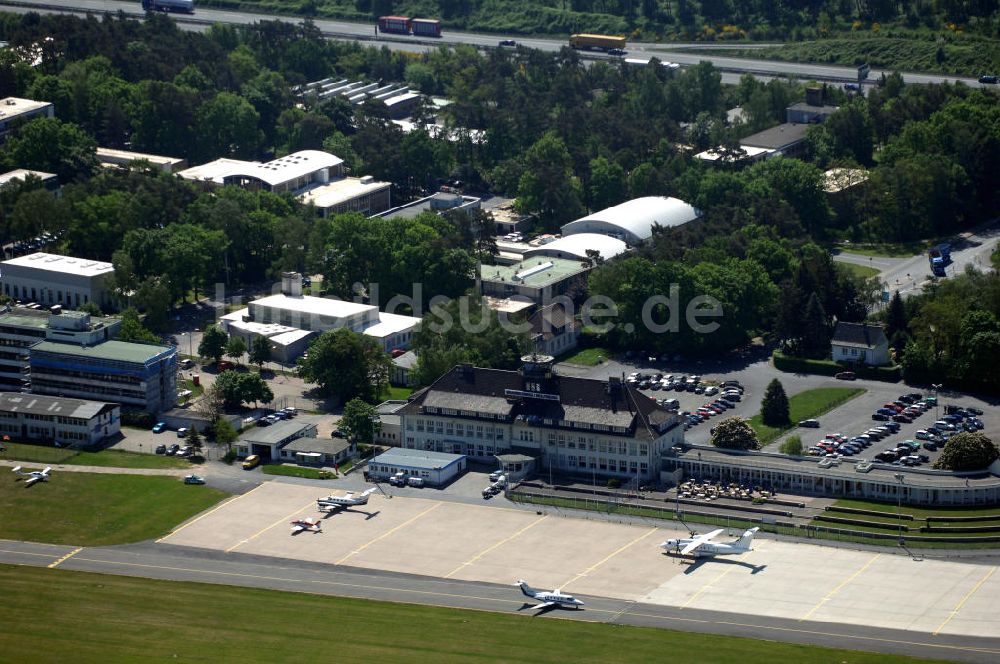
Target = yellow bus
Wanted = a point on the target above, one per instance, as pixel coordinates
(600, 42)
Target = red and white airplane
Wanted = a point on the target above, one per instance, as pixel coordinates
(312, 525)
(33, 475)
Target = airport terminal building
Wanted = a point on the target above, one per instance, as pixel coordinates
(573, 426)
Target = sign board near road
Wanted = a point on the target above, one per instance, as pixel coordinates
(863, 72)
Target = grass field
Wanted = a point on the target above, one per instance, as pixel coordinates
(917, 512)
(90, 509)
(82, 617)
(296, 471)
(588, 357)
(806, 405)
(104, 458)
(863, 271)
(397, 393)
(896, 250)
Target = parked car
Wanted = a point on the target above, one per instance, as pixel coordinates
(194, 479)
(508, 43)
(845, 375)
(711, 390)
(161, 449)
(621, 51)
(172, 450)
(930, 447)
(251, 462)
(905, 419)
(881, 417)
(182, 432)
(159, 427)
(989, 79)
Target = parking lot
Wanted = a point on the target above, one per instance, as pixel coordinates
(594, 557)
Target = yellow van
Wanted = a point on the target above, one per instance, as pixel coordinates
(251, 462)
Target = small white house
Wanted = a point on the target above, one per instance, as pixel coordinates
(860, 343)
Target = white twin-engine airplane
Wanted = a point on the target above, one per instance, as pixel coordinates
(33, 475)
(334, 503)
(548, 599)
(311, 525)
(701, 546)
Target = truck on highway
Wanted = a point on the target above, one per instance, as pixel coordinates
(596, 42)
(185, 6)
(939, 257)
(403, 25)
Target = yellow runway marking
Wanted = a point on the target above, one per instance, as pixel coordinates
(263, 530)
(841, 585)
(501, 542)
(607, 558)
(210, 512)
(389, 532)
(964, 600)
(66, 557)
(710, 583)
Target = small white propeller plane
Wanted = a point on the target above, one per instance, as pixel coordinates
(312, 525)
(701, 546)
(548, 599)
(33, 475)
(333, 503)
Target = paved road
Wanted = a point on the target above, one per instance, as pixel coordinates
(167, 562)
(910, 275)
(366, 31)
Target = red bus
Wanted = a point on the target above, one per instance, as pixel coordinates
(401, 25)
(397, 24)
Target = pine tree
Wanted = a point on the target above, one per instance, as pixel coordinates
(896, 318)
(815, 329)
(774, 408)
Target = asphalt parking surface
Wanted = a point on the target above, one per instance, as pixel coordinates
(480, 543)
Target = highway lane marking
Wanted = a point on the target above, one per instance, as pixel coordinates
(608, 557)
(263, 530)
(964, 600)
(66, 557)
(663, 618)
(389, 532)
(839, 586)
(710, 583)
(494, 546)
(209, 513)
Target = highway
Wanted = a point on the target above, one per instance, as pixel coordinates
(732, 67)
(176, 563)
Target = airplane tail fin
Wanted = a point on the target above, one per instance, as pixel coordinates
(525, 588)
(745, 542)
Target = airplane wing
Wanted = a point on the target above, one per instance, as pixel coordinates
(699, 540)
(298, 528)
(543, 605)
(31, 480)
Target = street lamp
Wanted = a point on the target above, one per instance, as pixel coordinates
(899, 504)
(936, 387)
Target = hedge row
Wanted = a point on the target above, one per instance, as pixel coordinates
(860, 522)
(960, 529)
(857, 510)
(791, 364)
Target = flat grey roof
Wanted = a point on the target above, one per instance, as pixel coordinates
(83, 267)
(125, 351)
(323, 445)
(424, 459)
(276, 433)
(777, 137)
(37, 404)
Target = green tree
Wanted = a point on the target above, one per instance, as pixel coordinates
(90, 308)
(895, 328)
(734, 433)
(153, 299)
(607, 183)
(816, 332)
(346, 365)
(132, 329)
(260, 351)
(360, 421)
(237, 388)
(967, 451)
(792, 446)
(227, 125)
(774, 408)
(53, 146)
(547, 186)
(213, 343)
(235, 348)
(225, 434)
(195, 441)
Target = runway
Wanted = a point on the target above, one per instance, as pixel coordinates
(178, 563)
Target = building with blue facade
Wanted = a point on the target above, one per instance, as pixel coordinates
(141, 376)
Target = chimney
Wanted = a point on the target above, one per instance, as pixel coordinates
(291, 284)
(814, 96)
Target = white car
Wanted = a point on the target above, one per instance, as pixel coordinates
(709, 391)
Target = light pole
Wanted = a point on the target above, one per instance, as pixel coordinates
(899, 504)
(936, 387)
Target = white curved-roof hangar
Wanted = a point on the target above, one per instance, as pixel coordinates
(633, 220)
(574, 247)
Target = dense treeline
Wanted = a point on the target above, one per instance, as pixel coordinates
(704, 19)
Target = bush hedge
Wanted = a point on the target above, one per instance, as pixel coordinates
(861, 522)
(857, 510)
(792, 364)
